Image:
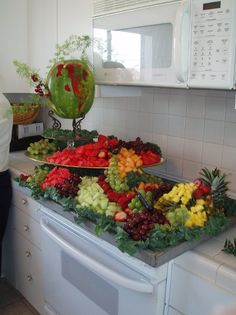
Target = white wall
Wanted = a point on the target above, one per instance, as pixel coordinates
(14, 44)
(194, 128)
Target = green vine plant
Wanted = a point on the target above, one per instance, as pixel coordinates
(73, 44)
(64, 51)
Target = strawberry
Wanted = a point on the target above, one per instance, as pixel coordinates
(128, 210)
(120, 216)
(198, 193)
(206, 189)
(23, 177)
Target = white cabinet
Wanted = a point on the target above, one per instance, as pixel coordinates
(22, 249)
(199, 284)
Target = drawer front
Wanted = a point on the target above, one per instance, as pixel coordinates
(27, 226)
(26, 204)
(28, 271)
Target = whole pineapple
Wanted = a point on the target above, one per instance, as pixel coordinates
(216, 180)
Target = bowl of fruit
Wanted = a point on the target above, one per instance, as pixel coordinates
(24, 113)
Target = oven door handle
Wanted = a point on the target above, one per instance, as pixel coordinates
(95, 266)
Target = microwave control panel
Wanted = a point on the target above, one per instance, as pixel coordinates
(213, 44)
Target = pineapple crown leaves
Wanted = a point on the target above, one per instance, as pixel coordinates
(216, 180)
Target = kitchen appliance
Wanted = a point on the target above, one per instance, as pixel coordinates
(23, 135)
(84, 274)
(188, 43)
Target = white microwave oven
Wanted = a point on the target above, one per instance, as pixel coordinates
(188, 43)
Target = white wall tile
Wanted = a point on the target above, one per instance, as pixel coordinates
(216, 93)
(194, 128)
(215, 108)
(212, 154)
(192, 150)
(176, 126)
(161, 103)
(231, 177)
(196, 106)
(230, 110)
(146, 100)
(161, 141)
(191, 169)
(160, 123)
(198, 92)
(175, 147)
(174, 166)
(131, 119)
(145, 123)
(177, 104)
(230, 134)
(214, 131)
(229, 158)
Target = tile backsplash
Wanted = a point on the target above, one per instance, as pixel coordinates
(194, 128)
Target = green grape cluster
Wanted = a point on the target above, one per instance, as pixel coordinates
(39, 175)
(178, 217)
(42, 148)
(114, 179)
(136, 205)
(91, 195)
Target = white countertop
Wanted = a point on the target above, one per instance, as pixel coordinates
(207, 260)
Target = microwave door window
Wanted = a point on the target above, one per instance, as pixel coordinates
(115, 56)
(133, 54)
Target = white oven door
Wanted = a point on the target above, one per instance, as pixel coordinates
(79, 278)
(145, 46)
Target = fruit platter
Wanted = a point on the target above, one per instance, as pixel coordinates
(141, 211)
(95, 151)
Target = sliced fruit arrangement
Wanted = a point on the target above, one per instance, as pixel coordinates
(96, 150)
(91, 155)
(144, 211)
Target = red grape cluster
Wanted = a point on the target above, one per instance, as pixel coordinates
(70, 186)
(139, 225)
(163, 189)
(137, 145)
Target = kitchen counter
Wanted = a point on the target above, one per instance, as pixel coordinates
(208, 250)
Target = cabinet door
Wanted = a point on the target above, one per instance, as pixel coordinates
(8, 255)
(28, 271)
(27, 226)
(14, 44)
(193, 295)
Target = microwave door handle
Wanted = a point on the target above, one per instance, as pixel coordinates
(94, 265)
(179, 60)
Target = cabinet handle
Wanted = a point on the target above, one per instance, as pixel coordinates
(24, 201)
(27, 253)
(29, 278)
(26, 228)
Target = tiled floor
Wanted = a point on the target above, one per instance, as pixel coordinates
(12, 302)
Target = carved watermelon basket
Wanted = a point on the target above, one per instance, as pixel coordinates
(69, 86)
